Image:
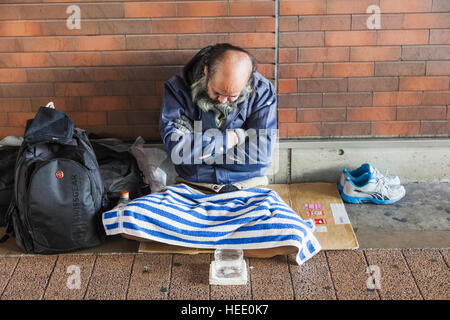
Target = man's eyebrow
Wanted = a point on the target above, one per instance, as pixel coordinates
(227, 95)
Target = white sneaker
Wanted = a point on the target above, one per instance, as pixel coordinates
(367, 188)
(390, 179)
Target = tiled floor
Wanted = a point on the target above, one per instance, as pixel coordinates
(403, 274)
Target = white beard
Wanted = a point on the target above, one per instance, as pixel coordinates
(200, 97)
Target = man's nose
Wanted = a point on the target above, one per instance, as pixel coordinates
(222, 99)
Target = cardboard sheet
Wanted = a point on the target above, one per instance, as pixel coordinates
(318, 201)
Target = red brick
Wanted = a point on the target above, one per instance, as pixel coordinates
(165, 26)
(322, 85)
(303, 129)
(11, 131)
(306, 70)
(388, 21)
(20, 28)
(287, 115)
(375, 53)
(100, 43)
(252, 8)
(61, 103)
(58, 11)
(348, 69)
(371, 114)
(287, 55)
(438, 68)
(300, 100)
(13, 75)
(437, 98)
(282, 130)
(150, 10)
(233, 24)
(133, 117)
(350, 38)
(146, 102)
(19, 119)
(253, 40)
(288, 24)
(350, 99)
(339, 129)
(105, 103)
(126, 26)
(426, 53)
(435, 128)
(95, 118)
(265, 24)
(349, 6)
(440, 36)
(79, 89)
(325, 23)
(266, 70)
(151, 42)
(291, 8)
(397, 128)
(301, 39)
(402, 37)
(321, 115)
(424, 83)
(441, 6)
(202, 9)
(3, 119)
(287, 86)
(401, 6)
(400, 69)
(427, 20)
(15, 104)
(323, 54)
(381, 99)
(23, 90)
(373, 84)
(421, 113)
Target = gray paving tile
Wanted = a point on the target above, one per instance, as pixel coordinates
(30, 278)
(312, 280)
(270, 279)
(190, 277)
(150, 277)
(348, 271)
(446, 254)
(110, 277)
(70, 277)
(430, 272)
(241, 292)
(396, 281)
(7, 266)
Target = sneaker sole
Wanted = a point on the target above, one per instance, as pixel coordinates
(349, 199)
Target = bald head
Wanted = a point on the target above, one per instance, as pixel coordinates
(228, 76)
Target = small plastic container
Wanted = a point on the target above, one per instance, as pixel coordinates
(228, 267)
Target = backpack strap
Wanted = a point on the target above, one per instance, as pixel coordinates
(9, 224)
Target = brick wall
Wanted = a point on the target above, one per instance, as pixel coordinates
(335, 76)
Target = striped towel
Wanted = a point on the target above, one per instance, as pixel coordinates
(253, 218)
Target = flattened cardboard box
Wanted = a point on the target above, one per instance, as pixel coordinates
(317, 201)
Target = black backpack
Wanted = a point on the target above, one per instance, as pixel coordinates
(119, 171)
(8, 155)
(58, 190)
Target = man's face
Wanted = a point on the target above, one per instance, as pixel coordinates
(225, 86)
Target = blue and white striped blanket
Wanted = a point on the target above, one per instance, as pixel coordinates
(254, 218)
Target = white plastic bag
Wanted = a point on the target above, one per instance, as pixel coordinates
(149, 161)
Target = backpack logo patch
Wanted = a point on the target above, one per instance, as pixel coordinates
(59, 174)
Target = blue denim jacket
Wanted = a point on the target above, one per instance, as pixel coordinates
(202, 156)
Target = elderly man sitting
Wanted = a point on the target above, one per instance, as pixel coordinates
(219, 120)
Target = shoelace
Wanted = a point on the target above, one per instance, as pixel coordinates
(382, 186)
